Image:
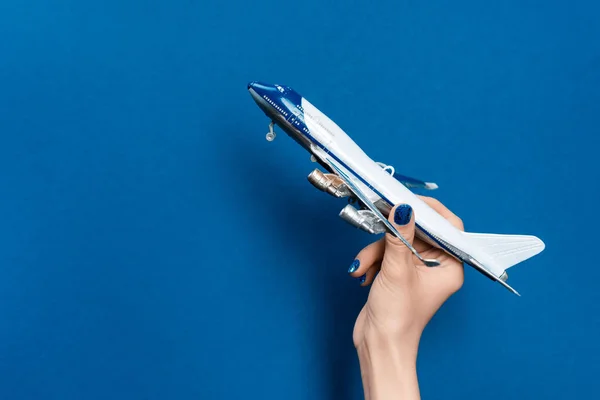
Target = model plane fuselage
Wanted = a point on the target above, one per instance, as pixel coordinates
(332, 147)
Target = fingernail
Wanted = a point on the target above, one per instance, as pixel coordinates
(403, 214)
(354, 266)
(362, 279)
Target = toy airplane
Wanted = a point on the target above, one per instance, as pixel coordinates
(378, 188)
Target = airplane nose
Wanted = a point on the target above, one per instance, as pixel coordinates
(254, 89)
(261, 87)
(260, 91)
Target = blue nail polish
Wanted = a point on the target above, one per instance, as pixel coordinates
(362, 279)
(354, 266)
(403, 214)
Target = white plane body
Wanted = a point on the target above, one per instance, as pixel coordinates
(490, 254)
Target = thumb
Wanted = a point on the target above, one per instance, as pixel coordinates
(403, 220)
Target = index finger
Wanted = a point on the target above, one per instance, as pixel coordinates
(443, 211)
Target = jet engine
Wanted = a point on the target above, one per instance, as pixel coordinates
(329, 183)
(362, 219)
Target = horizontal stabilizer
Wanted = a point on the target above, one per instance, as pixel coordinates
(506, 250)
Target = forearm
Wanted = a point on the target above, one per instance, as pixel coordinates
(388, 367)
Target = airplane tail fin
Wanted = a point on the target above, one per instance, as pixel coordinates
(506, 250)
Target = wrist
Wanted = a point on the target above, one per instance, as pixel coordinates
(388, 333)
(398, 347)
(388, 365)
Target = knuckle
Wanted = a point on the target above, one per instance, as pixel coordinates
(392, 242)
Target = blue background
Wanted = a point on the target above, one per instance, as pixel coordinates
(154, 246)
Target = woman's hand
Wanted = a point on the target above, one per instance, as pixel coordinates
(404, 296)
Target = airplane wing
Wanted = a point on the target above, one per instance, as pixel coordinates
(353, 185)
(415, 183)
(407, 180)
(369, 204)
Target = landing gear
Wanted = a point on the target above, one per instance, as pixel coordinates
(271, 134)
